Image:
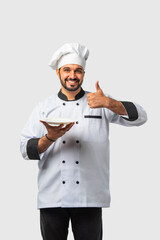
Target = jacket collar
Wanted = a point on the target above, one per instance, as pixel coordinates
(64, 97)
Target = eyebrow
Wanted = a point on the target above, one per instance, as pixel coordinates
(74, 69)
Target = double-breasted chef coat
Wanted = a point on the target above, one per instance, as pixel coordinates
(74, 170)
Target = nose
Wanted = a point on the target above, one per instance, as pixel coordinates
(72, 74)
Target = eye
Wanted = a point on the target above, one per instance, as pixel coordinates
(79, 71)
(66, 70)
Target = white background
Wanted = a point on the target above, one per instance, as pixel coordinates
(123, 38)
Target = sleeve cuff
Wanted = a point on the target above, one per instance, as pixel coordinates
(131, 111)
(32, 149)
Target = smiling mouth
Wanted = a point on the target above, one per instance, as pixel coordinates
(72, 82)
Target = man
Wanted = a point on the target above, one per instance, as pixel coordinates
(73, 178)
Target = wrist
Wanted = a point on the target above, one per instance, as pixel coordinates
(49, 138)
(106, 102)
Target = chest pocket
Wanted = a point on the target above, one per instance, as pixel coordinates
(93, 116)
(92, 129)
(91, 120)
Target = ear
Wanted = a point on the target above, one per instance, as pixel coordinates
(57, 71)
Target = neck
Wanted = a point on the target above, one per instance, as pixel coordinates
(70, 95)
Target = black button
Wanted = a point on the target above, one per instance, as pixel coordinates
(77, 182)
(77, 122)
(64, 104)
(63, 161)
(77, 141)
(77, 162)
(77, 104)
(63, 182)
(64, 142)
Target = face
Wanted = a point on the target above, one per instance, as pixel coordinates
(71, 76)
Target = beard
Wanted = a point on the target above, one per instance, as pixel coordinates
(70, 89)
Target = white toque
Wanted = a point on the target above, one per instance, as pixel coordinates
(69, 53)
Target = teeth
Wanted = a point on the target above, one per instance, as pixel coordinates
(71, 81)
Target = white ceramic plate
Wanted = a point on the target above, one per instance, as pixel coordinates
(58, 121)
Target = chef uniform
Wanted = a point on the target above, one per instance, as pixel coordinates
(74, 170)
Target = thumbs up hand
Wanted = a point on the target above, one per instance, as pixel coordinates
(96, 99)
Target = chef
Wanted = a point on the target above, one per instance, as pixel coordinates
(73, 159)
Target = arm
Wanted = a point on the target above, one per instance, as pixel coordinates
(53, 133)
(31, 134)
(127, 110)
(114, 105)
(33, 142)
(99, 100)
(120, 112)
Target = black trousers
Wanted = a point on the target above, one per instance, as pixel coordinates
(86, 223)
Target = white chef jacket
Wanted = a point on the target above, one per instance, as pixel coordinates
(74, 170)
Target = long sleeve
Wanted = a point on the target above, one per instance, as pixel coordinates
(31, 134)
(136, 115)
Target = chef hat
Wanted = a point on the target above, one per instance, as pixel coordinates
(69, 53)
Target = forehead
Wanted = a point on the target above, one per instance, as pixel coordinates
(72, 66)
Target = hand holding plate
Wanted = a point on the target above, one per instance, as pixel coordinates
(55, 132)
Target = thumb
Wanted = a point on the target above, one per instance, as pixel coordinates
(97, 86)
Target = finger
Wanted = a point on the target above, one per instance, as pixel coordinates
(92, 95)
(90, 100)
(88, 95)
(44, 123)
(89, 103)
(97, 86)
(60, 126)
(68, 126)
